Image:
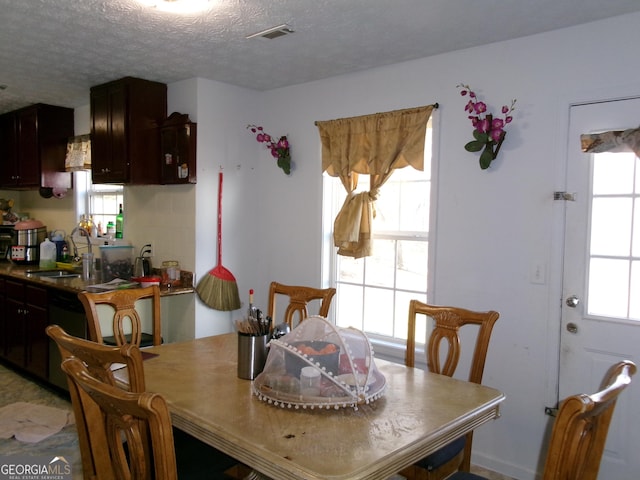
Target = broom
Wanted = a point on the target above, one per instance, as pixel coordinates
(218, 289)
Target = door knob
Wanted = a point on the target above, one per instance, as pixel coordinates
(573, 301)
(572, 328)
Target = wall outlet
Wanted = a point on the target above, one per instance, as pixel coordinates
(149, 247)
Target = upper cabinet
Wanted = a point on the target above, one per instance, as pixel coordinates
(125, 116)
(33, 145)
(178, 149)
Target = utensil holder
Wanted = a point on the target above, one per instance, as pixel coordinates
(252, 354)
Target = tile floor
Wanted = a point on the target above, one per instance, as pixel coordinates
(16, 388)
(488, 474)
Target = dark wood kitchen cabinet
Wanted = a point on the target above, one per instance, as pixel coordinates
(125, 116)
(27, 317)
(3, 320)
(33, 146)
(178, 149)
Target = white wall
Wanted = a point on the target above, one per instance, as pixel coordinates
(182, 220)
(492, 226)
(223, 112)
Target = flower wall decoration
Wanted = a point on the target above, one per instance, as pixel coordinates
(488, 131)
(279, 149)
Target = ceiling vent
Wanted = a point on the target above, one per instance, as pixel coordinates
(273, 32)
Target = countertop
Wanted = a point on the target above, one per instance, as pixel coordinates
(73, 285)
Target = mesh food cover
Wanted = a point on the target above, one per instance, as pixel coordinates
(318, 365)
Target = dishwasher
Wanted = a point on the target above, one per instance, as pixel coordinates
(66, 311)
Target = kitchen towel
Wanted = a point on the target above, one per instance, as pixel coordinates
(31, 423)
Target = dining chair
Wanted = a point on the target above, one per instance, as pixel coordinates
(126, 322)
(580, 430)
(142, 418)
(445, 338)
(298, 301)
(98, 359)
(195, 459)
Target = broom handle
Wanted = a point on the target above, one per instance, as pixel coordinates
(220, 218)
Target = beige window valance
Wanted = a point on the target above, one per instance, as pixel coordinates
(613, 141)
(78, 153)
(374, 145)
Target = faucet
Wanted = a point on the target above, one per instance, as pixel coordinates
(76, 256)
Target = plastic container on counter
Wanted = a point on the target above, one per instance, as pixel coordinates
(117, 262)
(47, 254)
(170, 273)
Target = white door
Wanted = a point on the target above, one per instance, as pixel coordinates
(601, 283)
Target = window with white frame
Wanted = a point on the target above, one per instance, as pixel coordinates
(373, 293)
(101, 201)
(614, 251)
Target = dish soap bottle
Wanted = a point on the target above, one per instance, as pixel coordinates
(47, 254)
(119, 223)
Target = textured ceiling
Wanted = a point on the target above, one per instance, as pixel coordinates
(53, 51)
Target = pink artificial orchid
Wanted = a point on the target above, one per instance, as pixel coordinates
(279, 149)
(488, 132)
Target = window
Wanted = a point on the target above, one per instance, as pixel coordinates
(373, 293)
(102, 201)
(614, 257)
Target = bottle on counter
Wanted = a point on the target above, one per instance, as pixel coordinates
(65, 253)
(48, 253)
(120, 223)
(82, 223)
(90, 227)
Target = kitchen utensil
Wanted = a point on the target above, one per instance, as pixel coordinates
(280, 330)
(252, 353)
(218, 288)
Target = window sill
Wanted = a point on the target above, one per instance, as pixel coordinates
(393, 351)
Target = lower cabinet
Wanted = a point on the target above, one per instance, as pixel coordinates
(3, 320)
(66, 311)
(25, 320)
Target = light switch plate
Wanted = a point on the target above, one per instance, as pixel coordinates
(538, 273)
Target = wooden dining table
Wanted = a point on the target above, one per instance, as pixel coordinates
(419, 413)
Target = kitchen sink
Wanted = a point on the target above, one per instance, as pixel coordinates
(53, 274)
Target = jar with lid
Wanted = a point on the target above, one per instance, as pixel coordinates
(170, 273)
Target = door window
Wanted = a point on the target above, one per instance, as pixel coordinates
(614, 251)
